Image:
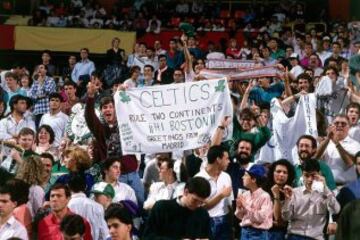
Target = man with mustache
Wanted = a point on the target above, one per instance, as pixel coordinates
(307, 147)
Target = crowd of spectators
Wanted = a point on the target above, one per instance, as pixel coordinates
(58, 181)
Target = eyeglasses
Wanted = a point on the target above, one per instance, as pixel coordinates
(342, 124)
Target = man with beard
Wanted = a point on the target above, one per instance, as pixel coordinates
(307, 147)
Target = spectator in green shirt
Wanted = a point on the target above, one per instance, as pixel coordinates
(307, 147)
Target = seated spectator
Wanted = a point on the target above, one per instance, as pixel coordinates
(77, 161)
(17, 119)
(111, 170)
(13, 88)
(26, 140)
(169, 186)
(25, 84)
(336, 54)
(353, 113)
(348, 224)
(87, 208)
(31, 171)
(104, 194)
(73, 227)
(308, 206)
(119, 221)
(11, 228)
(70, 90)
(151, 171)
(48, 161)
(49, 227)
(233, 50)
(56, 119)
(45, 137)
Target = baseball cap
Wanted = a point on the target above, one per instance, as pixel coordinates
(257, 171)
(103, 188)
(326, 38)
(294, 55)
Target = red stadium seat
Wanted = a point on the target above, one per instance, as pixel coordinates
(239, 14)
(224, 14)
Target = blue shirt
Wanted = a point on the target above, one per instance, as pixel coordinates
(264, 96)
(85, 67)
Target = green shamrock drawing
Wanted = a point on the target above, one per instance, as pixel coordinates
(124, 98)
(220, 87)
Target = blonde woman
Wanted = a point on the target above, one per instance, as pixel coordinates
(31, 171)
(77, 161)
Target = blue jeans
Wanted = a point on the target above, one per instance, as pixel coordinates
(277, 234)
(220, 228)
(133, 180)
(250, 233)
(298, 237)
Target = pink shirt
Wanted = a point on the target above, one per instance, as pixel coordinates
(258, 212)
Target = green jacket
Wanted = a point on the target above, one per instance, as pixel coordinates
(324, 170)
(258, 139)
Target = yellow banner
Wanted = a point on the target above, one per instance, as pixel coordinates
(70, 39)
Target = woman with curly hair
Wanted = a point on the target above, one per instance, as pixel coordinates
(280, 173)
(77, 161)
(44, 139)
(31, 171)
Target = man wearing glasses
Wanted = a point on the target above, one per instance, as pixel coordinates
(339, 149)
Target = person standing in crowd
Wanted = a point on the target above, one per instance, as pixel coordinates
(70, 89)
(108, 139)
(49, 226)
(174, 57)
(182, 218)
(338, 150)
(104, 194)
(254, 207)
(13, 87)
(73, 227)
(45, 138)
(307, 147)
(9, 226)
(280, 173)
(56, 119)
(132, 82)
(41, 89)
(353, 113)
(66, 73)
(164, 75)
(220, 199)
(46, 58)
(83, 69)
(306, 207)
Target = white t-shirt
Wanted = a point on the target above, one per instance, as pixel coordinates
(224, 180)
(342, 173)
(58, 123)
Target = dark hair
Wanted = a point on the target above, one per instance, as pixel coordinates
(162, 56)
(331, 68)
(26, 131)
(215, 152)
(336, 43)
(107, 164)
(308, 137)
(247, 113)
(342, 116)
(133, 69)
(311, 165)
(16, 98)
(77, 183)
(106, 100)
(30, 80)
(12, 75)
(49, 156)
(47, 52)
(21, 190)
(199, 186)
(70, 83)
(120, 212)
(72, 224)
(56, 95)
(236, 144)
(149, 66)
(289, 167)
(85, 49)
(57, 186)
(353, 105)
(304, 76)
(49, 130)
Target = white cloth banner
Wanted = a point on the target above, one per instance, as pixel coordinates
(287, 130)
(231, 63)
(171, 117)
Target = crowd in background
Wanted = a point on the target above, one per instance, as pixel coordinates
(58, 183)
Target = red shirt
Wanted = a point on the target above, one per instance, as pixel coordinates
(49, 228)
